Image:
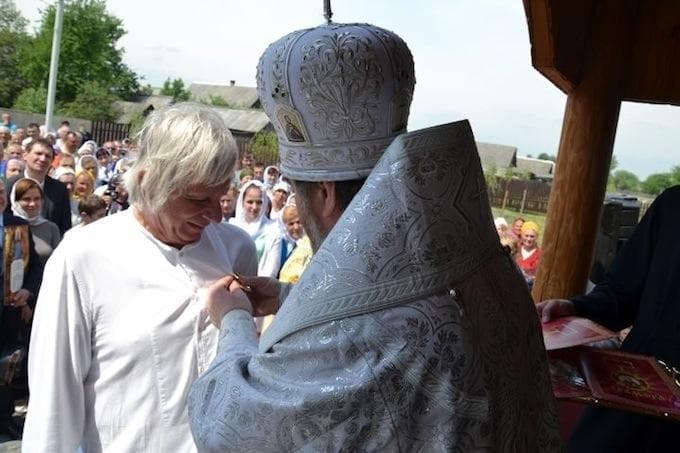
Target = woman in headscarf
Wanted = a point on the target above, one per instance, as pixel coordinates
(529, 253)
(251, 216)
(90, 165)
(87, 149)
(278, 199)
(26, 200)
(104, 167)
(271, 177)
(296, 249)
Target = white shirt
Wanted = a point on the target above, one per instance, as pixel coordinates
(120, 335)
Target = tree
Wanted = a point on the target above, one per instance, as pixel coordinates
(491, 177)
(656, 183)
(218, 101)
(136, 122)
(675, 174)
(546, 156)
(175, 88)
(624, 180)
(94, 102)
(32, 100)
(613, 164)
(88, 52)
(13, 40)
(265, 147)
(146, 90)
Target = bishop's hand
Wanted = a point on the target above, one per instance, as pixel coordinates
(264, 294)
(225, 295)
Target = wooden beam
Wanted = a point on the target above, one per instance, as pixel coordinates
(557, 31)
(655, 54)
(585, 150)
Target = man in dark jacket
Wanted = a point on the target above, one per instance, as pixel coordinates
(16, 312)
(642, 289)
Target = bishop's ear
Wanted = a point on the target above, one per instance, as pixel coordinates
(330, 206)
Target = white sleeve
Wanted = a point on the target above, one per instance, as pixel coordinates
(59, 360)
(271, 257)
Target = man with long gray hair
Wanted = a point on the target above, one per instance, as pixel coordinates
(110, 367)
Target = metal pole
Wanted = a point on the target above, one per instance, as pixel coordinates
(54, 65)
(327, 12)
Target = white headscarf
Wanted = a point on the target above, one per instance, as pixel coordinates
(269, 185)
(61, 171)
(282, 224)
(256, 227)
(18, 211)
(81, 161)
(88, 148)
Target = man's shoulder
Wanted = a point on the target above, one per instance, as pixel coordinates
(11, 181)
(10, 219)
(230, 232)
(54, 184)
(88, 237)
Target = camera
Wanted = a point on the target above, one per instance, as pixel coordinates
(111, 192)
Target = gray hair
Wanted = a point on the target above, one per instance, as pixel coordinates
(179, 146)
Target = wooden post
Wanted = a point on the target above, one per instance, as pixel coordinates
(585, 150)
(505, 195)
(524, 199)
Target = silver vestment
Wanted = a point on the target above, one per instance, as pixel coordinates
(409, 331)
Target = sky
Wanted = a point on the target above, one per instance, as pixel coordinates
(472, 58)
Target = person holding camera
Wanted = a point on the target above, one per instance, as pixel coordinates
(117, 194)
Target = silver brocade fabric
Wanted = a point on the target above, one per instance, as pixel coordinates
(337, 95)
(409, 331)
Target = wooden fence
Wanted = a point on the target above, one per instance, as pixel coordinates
(103, 131)
(520, 195)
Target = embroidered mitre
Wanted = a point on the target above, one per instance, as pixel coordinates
(337, 95)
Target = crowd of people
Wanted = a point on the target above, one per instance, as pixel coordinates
(521, 242)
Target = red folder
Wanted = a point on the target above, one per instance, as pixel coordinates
(573, 331)
(615, 379)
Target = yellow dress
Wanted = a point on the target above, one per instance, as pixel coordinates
(292, 269)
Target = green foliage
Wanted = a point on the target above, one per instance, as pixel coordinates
(136, 122)
(657, 182)
(491, 177)
(176, 89)
(146, 90)
(614, 164)
(13, 40)
(265, 147)
(32, 100)
(218, 101)
(509, 173)
(675, 174)
(512, 173)
(546, 156)
(88, 52)
(624, 181)
(93, 102)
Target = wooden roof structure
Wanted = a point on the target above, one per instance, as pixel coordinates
(235, 96)
(600, 53)
(498, 156)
